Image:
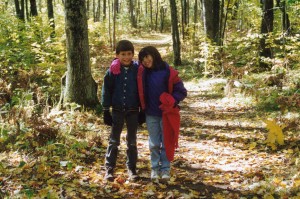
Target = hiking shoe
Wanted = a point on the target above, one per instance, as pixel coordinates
(109, 175)
(154, 175)
(165, 175)
(132, 175)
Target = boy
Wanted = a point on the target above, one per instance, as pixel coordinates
(120, 93)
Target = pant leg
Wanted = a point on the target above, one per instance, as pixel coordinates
(132, 125)
(114, 140)
(155, 131)
(165, 163)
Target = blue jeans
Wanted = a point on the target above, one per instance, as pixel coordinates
(131, 120)
(158, 158)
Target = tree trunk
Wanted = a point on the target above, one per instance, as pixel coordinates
(235, 9)
(109, 23)
(138, 11)
(162, 17)
(33, 8)
(20, 9)
(115, 7)
(88, 8)
(97, 14)
(175, 33)
(224, 23)
(27, 11)
(132, 13)
(80, 87)
(286, 24)
(104, 9)
(184, 16)
(51, 16)
(156, 14)
(151, 14)
(266, 27)
(211, 19)
(195, 18)
(94, 10)
(221, 21)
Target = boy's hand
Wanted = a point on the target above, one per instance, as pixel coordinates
(115, 67)
(107, 118)
(142, 117)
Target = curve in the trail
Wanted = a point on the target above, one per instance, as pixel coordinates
(160, 39)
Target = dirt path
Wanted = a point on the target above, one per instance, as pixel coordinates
(162, 42)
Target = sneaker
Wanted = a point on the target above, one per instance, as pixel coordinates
(154, 175)
(132, 175)
(109, 175)
(165, 175)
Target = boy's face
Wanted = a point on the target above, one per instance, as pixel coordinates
(125, 57)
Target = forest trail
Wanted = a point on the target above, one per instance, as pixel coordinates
(222, 153)
(163, 42)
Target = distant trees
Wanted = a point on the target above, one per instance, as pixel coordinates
(183, 20)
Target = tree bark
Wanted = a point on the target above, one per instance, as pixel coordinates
(195, 18)
(88, 8)
(80, 87)
(27, 15)
(33, 8)
(94, 11)
(224, 23)
(51, 16)
(266, 28)
(211, 19)
(175, 33)
(286, 24)
(162, 17)
(132, 13)
(184, 17)
(151, 14)
(115, 7)
(104, 9)
(109, 23)
(156, 15)
(97, 14)
(20, 9)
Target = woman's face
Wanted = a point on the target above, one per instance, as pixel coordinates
(148, 61)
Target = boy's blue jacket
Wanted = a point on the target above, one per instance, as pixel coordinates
(121, 91)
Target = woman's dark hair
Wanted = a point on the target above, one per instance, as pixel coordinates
(124, 45)
(150, 50)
